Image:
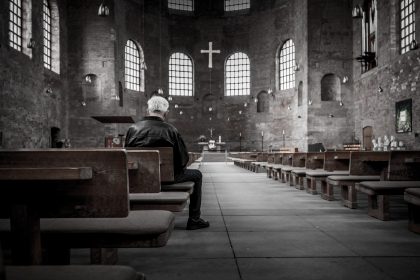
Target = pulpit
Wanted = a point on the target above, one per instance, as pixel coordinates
(114, 141)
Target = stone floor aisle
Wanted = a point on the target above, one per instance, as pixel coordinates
(261, 229)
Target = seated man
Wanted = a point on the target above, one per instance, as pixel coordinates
(153, 131)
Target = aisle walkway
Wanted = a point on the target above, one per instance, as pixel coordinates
(261, 229)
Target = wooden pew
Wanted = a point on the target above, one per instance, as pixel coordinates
(412, 197)
(167, 173)
(298, 162)
(68, 272)
(364, 166)
(243, 159)
(285, 160)
(145, 187)
(269, 164)
(402, 173)
(313, 161)
(256, 166)
(75, 187)
(335, 163)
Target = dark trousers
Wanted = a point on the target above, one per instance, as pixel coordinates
(193, 175)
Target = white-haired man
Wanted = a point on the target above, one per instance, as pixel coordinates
(153, 131)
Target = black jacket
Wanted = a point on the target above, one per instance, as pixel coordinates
(154, 132)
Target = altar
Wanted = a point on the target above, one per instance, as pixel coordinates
(212, 145)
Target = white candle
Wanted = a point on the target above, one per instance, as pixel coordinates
(220, 139)
(240, 134)
(262, 133)
(283, 131)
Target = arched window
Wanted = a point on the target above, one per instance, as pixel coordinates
(369, 35)
(236, 5)
(181, 5)
(132, 66)
(181, 75)
(237, 75)
(20, 26)
(330, 88)
(407, 24)
(287, 64)
(46, 20)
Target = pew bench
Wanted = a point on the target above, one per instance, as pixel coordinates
(145, 186)
(72, 272)
(299, 175)
(378, 195)
(412, 197)
(314, 176)
(347, 184)
(178, 187)
(87, 195)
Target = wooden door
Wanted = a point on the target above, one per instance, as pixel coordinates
(367, 138)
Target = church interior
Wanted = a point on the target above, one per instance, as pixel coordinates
(251, 84)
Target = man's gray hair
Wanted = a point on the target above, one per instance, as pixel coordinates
(157, 104)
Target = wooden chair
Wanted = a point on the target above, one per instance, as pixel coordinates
(313, 161)
(412, 197)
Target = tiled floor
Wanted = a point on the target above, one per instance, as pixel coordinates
(262, 229)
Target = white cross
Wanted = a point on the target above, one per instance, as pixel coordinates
(210, 51)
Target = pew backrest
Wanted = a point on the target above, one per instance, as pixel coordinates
(298, 159)
(144, 171)
(166, 155)
(65, 182)
(404, 165)
(369, 163)
(339, 160)
(315, 160)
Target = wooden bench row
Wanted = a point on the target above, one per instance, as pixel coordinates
(72, 189)
(377, 174)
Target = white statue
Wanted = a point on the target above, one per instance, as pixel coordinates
(394, 143)
(401, 146)
(386, 143)
(375, 145)
(380, 144)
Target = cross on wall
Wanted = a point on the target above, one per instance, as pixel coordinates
(210, 51)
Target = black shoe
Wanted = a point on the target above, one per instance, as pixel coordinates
(197, 224)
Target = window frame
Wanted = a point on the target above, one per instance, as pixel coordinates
(16, 20)
(405, 24)
(179, 6)
(244, 5)
(287, 64)
(189, 69)
(131, 67)
(47, 34)
(247, 75)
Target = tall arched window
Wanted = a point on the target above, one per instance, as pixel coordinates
(369, 35)
(287, 62)
(20, 26)
(237, 75)
(181, 75)
(407, 24)
(237, 5)
(46, 20)
(15, 24)
(132, 66)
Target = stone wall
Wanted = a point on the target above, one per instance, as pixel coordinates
(396, 74)
(33, 98)
(327, 40)
(330, 52)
